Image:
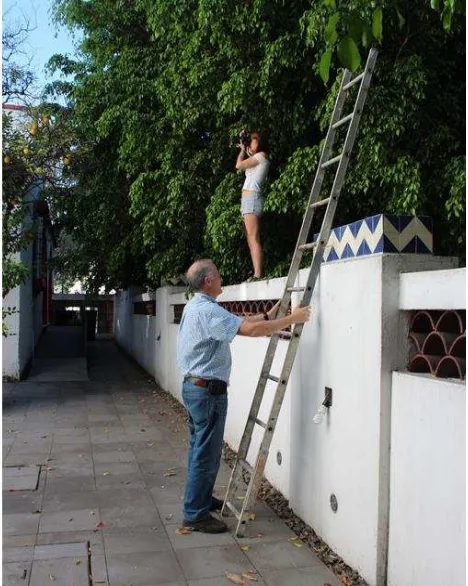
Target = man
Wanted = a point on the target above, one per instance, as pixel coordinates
(204, 358)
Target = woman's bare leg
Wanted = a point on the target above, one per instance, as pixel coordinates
(252, 227)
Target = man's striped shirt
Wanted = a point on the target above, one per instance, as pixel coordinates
(205, 331)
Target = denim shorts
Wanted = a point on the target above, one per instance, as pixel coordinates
(252, 204)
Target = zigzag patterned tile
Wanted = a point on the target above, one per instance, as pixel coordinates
(381, 233)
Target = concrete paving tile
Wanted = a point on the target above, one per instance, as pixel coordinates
(171, 514)
(21, 502)
(70, 501)
(315, 576)
(94, 538)
(111, 437)
(27, 483)
(20, 523)
(26, 448)
(167, 495)
(114, 456)
(168, 482)
(117, 468)
(58, 485)
(60, 550)
(67, 458)
(16, 574)
(112, 481)
(103, 448)
(139, 497)
(19, 540)
(98, 570)
(175, 468)
(64, 571)
(210, 562)
(154, 450)
(29, 459)
(15, 471)
(281, 554)
(222, 581)
(135, 540)
(70, 520)
(136, 419)
(143, 569)
(69, 470)
(59, 449)
(196, 539)
(130, 516)
(17, 554)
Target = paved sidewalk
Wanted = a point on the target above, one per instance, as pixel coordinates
(93, 481)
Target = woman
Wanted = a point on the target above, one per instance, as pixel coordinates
(256, 169)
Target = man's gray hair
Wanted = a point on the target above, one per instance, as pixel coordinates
(198, 272)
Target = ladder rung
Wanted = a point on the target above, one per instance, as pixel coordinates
(332, 161)
(343, 121)
(296, 289)
(261, 423)
(353, 81)
(273, 378)
(233, 509)
(307, 246)
(318, 204)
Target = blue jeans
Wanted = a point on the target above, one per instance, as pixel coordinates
(207, 417)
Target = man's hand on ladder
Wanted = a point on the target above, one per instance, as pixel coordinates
(300, 315)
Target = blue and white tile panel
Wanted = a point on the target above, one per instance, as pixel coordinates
(380, 234)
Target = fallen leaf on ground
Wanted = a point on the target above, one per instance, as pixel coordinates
(251, 516)
(345, 580)
(183, 531)
(100, 525)
(245, 547)
(51, 577)
(169, 517)
(170, 473)
(240, 498)
(49, 468)
(77, 562)
(250, 575)
(105, 473)
(296, 541)
(235, 579)
(36, 512)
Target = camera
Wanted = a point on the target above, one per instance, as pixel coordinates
(245, 137)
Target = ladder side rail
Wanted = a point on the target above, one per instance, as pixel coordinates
(316, 187)
(326, 227)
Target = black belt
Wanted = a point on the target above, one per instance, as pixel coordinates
(214, 387)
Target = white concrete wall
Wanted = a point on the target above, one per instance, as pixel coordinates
(10, 346)
(25, 326)
(356, 338)
(427, 545)
(427, 290)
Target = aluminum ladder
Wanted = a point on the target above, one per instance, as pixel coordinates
(340, 163)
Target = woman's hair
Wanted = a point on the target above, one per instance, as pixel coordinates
(262, 141)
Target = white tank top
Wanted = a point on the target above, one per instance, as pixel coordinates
(255, 176)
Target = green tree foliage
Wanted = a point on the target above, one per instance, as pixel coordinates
(36, 144)
(161, 89)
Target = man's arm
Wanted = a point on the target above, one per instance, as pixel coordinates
(262, 327)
